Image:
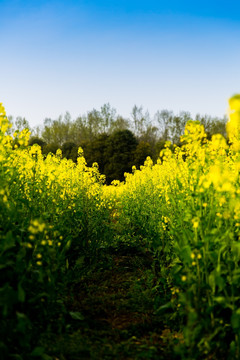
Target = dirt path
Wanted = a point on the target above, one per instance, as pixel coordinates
(113, 314)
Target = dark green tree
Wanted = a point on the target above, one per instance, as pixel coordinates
(36, 140)
(70, 150)
(50, 148)
(120, 154)
(142, 151)
(96, 151)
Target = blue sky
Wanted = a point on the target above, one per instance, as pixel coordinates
(59, 56)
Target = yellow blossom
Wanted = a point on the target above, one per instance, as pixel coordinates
(195, 223)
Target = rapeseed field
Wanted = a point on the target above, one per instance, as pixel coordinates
(57, 217)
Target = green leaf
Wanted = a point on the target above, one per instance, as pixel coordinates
(80, 260)
(6, 265)
(38, 351)
(212, 280)
(235, 321)
(47, 357)
(220, 300)
(21, 293)
(8, 242)
(186, 254)
(76, 315)
(220, 282)
(164, 307)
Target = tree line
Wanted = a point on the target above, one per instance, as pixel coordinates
(114, 142)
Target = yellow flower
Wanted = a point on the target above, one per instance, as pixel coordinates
(233, 125)
(195, 224)
(184, 278)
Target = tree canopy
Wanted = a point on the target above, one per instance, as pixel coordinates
(114, 142)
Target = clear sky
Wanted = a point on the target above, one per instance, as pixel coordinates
(58, 56)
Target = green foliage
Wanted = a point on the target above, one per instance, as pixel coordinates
(44, 230)
(36, 140)
(94, 131)
(70, 150)
(95, 151)
(50, 148)
(142, 151)
(120, 154)
(59, 222)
